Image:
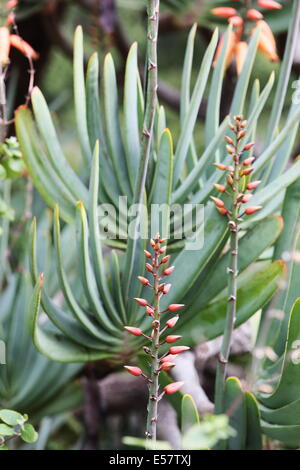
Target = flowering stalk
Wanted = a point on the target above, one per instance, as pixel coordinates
(245, 16)
(156, 267)
(238, 189)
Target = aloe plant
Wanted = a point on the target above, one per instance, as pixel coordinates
(90, 326)
(27, 378)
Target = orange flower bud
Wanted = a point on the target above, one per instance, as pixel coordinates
(220, 166)
(254, 15)
(236, 20)
(143, 280)
(229, 180)
(172, 338)
(230, 149)
(23, 47)
(134, 370)
(232, 40)
(218, 202)
(4, 45)
(248, 146)
(142, 302)
(175, 307)
(178, 349)
(173, 388)
(167, 288)
(220, 188)
(11, 4)
(223, 210)
(241, 53)
(149, 267)
(269, 5)
(248, 161)
(168, 358)
(165, 259)
(253, 185)
(224, 12)
(228, 140)
(246, 198)
(252, 210)
(247, 172)
(147, 254)
(166, 366)
(172, 322)
(149, 311)
(168, 271)
(133, 331)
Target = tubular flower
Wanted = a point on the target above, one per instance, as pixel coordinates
(269, 5)
(134, 331)
(224, 12)
(241, 53)
(23, 47)
(173, 388)
(136, 371)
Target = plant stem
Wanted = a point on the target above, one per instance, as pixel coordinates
(154, 378)
(232, 292)
(147, 136)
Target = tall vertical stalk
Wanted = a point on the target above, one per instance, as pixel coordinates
(148, 124)
(158, 361)
(154, 378)
(238, 189)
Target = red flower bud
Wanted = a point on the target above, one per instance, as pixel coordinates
(134, 331)
(228, 140)
(168, 271)
(143, 280)
(269, 5)
(248, 146)
(142, 302)
(220, 166)
(224, 12)
(173, 388)
(236, 20)
(255, 15)
(167, 288)
(247, 172)
(218, 202)
(134, 370)
(230, 149)
(246, 198)
(166, 366)
(252, 209)
(165, 259)
(149, 267)
(220, 188)
(162, 250)
(147, 254)
(149, 311)
(248, 161)
(229, 180)
(223, 210)
(11, 4)
(253, 185)
(172, 338)
(172, 322)
(168, 358)
(175, 307)
(178, 349)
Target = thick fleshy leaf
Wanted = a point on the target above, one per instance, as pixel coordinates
(80, 96)
(189, 413)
